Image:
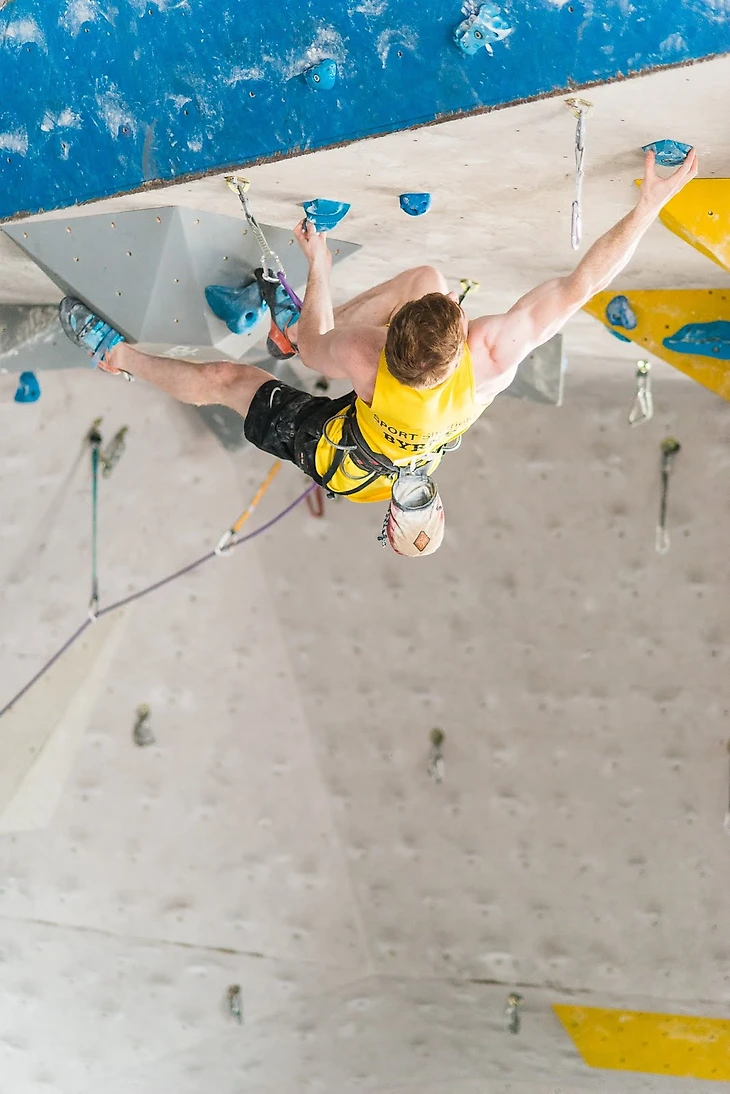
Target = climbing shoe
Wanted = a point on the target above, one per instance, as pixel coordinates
(86, 330)
(283, 313)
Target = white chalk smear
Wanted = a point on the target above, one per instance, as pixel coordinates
(115, 112)
(402, 36)
(23, 31)
(17, 141)
(79, 12)
(241, 75)
(65, 119)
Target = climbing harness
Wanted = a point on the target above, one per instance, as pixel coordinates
(94, 439)
(580, 108)
(512, 1013)
(436, 756)
(643, 408)
(225, 543)
(271, 264)
(669, 448)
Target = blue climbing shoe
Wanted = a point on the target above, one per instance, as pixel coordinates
(86, 330)
(284, 312)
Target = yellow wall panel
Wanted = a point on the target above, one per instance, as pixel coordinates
(660, 313)
(660, 1044)
(700, 215)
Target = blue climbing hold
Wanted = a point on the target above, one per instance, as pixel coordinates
(325, 215)
(239, 308)
(481, 29)
(29, 390)
(322, 77)
(702, 339)
(415, 204)
(620, 313)
(668, 153)
(617, 334)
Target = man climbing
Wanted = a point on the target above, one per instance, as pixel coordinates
(421, 373)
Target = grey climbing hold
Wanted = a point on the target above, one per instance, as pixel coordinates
(322, 77)
(415, 204)
(702, 340)
(480, 29)
(620, 313)
(668, 153)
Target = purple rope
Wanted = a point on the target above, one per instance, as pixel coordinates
(150, 589)
(289, 290)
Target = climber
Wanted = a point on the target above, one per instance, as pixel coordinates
(421, 373)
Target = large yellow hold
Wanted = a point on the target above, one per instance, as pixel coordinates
(660, 1044)
(661, 313)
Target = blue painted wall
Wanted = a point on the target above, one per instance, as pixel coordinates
(98, 97)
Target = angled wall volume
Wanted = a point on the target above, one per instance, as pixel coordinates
(102, 99)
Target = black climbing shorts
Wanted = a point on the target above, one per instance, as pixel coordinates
(289, 423)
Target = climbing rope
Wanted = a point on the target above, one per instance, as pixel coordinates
(150, 589)
(580, 108)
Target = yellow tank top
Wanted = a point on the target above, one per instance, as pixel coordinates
(403, 423)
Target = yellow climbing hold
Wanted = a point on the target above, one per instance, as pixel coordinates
(660, 1044)
(700, 215)
(661, 313)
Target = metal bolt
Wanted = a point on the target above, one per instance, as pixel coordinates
(512, 1013)
(235, 1003)
(436, 758)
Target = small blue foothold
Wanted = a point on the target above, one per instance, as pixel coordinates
(29, 390)
(239, 308)
(480, 29)
(415, 204)
(617, 334)
(668, 153)
(702, 340)
(620, 313)
(322, 77)
(325, 215)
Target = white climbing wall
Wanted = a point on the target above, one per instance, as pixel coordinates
(283, 833)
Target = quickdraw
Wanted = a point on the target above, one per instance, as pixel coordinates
(271, 264)
(580, 108)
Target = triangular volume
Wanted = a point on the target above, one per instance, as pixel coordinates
(700, 215)
(540, 376)
(39, 735)
(684, 327)
(109, 260)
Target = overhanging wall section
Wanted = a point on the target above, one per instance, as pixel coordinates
(100, 100)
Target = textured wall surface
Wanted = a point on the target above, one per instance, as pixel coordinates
(100, 99)
(283, 832)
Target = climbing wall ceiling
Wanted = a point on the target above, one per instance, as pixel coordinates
(281, 831)
(183, 87)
